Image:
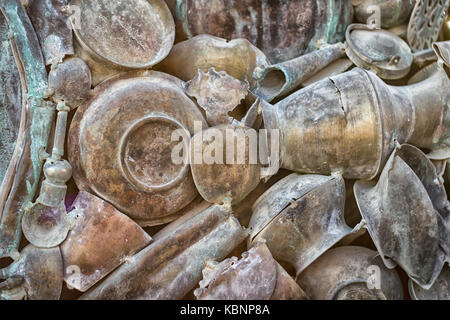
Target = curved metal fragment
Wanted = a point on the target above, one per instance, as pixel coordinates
(122, 35)
(402, 220)
(299, 218)
(218, 94)
(423, 73)
(101, 239)
(442, 50)
(333, 125)
(36, 275)
(282, 78)
(392, 12)
(36, 122)
(439, 291)
(283, 29)
(378, 50)
(350, 273)
(50, 19)
(237, 57)
(120, 145)
(350, 123)
(10, 102)
(172, 265)
(333, 69)
(256, 276)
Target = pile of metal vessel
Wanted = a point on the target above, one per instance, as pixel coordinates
(314, 138)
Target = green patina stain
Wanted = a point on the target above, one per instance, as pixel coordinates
(339, 17)
(40, 112)
(9, 97)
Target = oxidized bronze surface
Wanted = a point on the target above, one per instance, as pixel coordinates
(271, 135)
(238, 57)
(345, 273)
(284, 215)
(120, 146)
(71, 82)
(257, 276)
(51, 21)
(439, 291)
(282, 29)
(402, 214)
(101, 239)
(36, 275)
(171, 266)
(391, 12)
(378, 50)
(355, 113)
(425, 23)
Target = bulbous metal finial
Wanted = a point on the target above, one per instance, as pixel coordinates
(58, 172)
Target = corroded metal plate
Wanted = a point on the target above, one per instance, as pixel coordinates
(120, 146)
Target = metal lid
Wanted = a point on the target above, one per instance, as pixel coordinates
(378, 50)
(348, 273)
(439, 291)
(300, 217)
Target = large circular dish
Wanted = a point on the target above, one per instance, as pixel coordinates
(282, 29)
(120, 145)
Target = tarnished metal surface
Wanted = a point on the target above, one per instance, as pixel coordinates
(101, 239)
(45, 224)
(238, 57)
(36, 275)
(392, 12)
(326, 124)
(219, 175)
(282, 29)
(52, 27)
(120, 146)
(349, 123)
(71, 82)
(401, 217)
(425, 23)
(423, 73)
(439, 291)
(127, 34)
(378, 50)
(256, 276)
(171, 266)
(282, 78)
(333, 69)
(299, 218)
(194, 142)
(218, 94)
(10, 99)
(345, 273)
(132, 33)
(442, 50)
